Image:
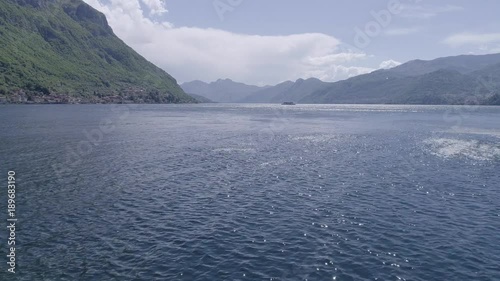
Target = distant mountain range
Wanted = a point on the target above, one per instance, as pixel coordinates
(64, 51)
(221, 90)
(287, 91)
(465, 79)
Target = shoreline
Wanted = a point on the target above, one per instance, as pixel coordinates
(222, 103)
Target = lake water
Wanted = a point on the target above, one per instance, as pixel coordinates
(252, 192)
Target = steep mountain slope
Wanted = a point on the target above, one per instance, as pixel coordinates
(453, 80)
(489, 75)
(201, 99)
(221, 90)
(65, 51)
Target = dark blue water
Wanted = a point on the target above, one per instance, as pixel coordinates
(243, 192)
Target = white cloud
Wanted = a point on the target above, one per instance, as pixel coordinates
(389, 64)
(420, 12)
(155, 6)
(335, 58)
(337, 72)
(461, 39)
(190, 53)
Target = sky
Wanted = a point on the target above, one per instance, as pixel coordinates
(262, 42)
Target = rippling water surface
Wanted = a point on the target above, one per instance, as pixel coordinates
(253, 192)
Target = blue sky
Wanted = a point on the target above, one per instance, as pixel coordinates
(267, 42)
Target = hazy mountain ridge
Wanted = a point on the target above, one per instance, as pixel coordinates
(287, 91)
(452, 80)
(465, 79)
(298, 90)
(463, 64)
(222, 90)
(266, 95)
(229, 91)
(64, 51)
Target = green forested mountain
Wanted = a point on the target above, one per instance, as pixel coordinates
(451, 80)
(65, 51)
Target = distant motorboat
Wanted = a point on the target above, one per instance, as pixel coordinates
(288, 103)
